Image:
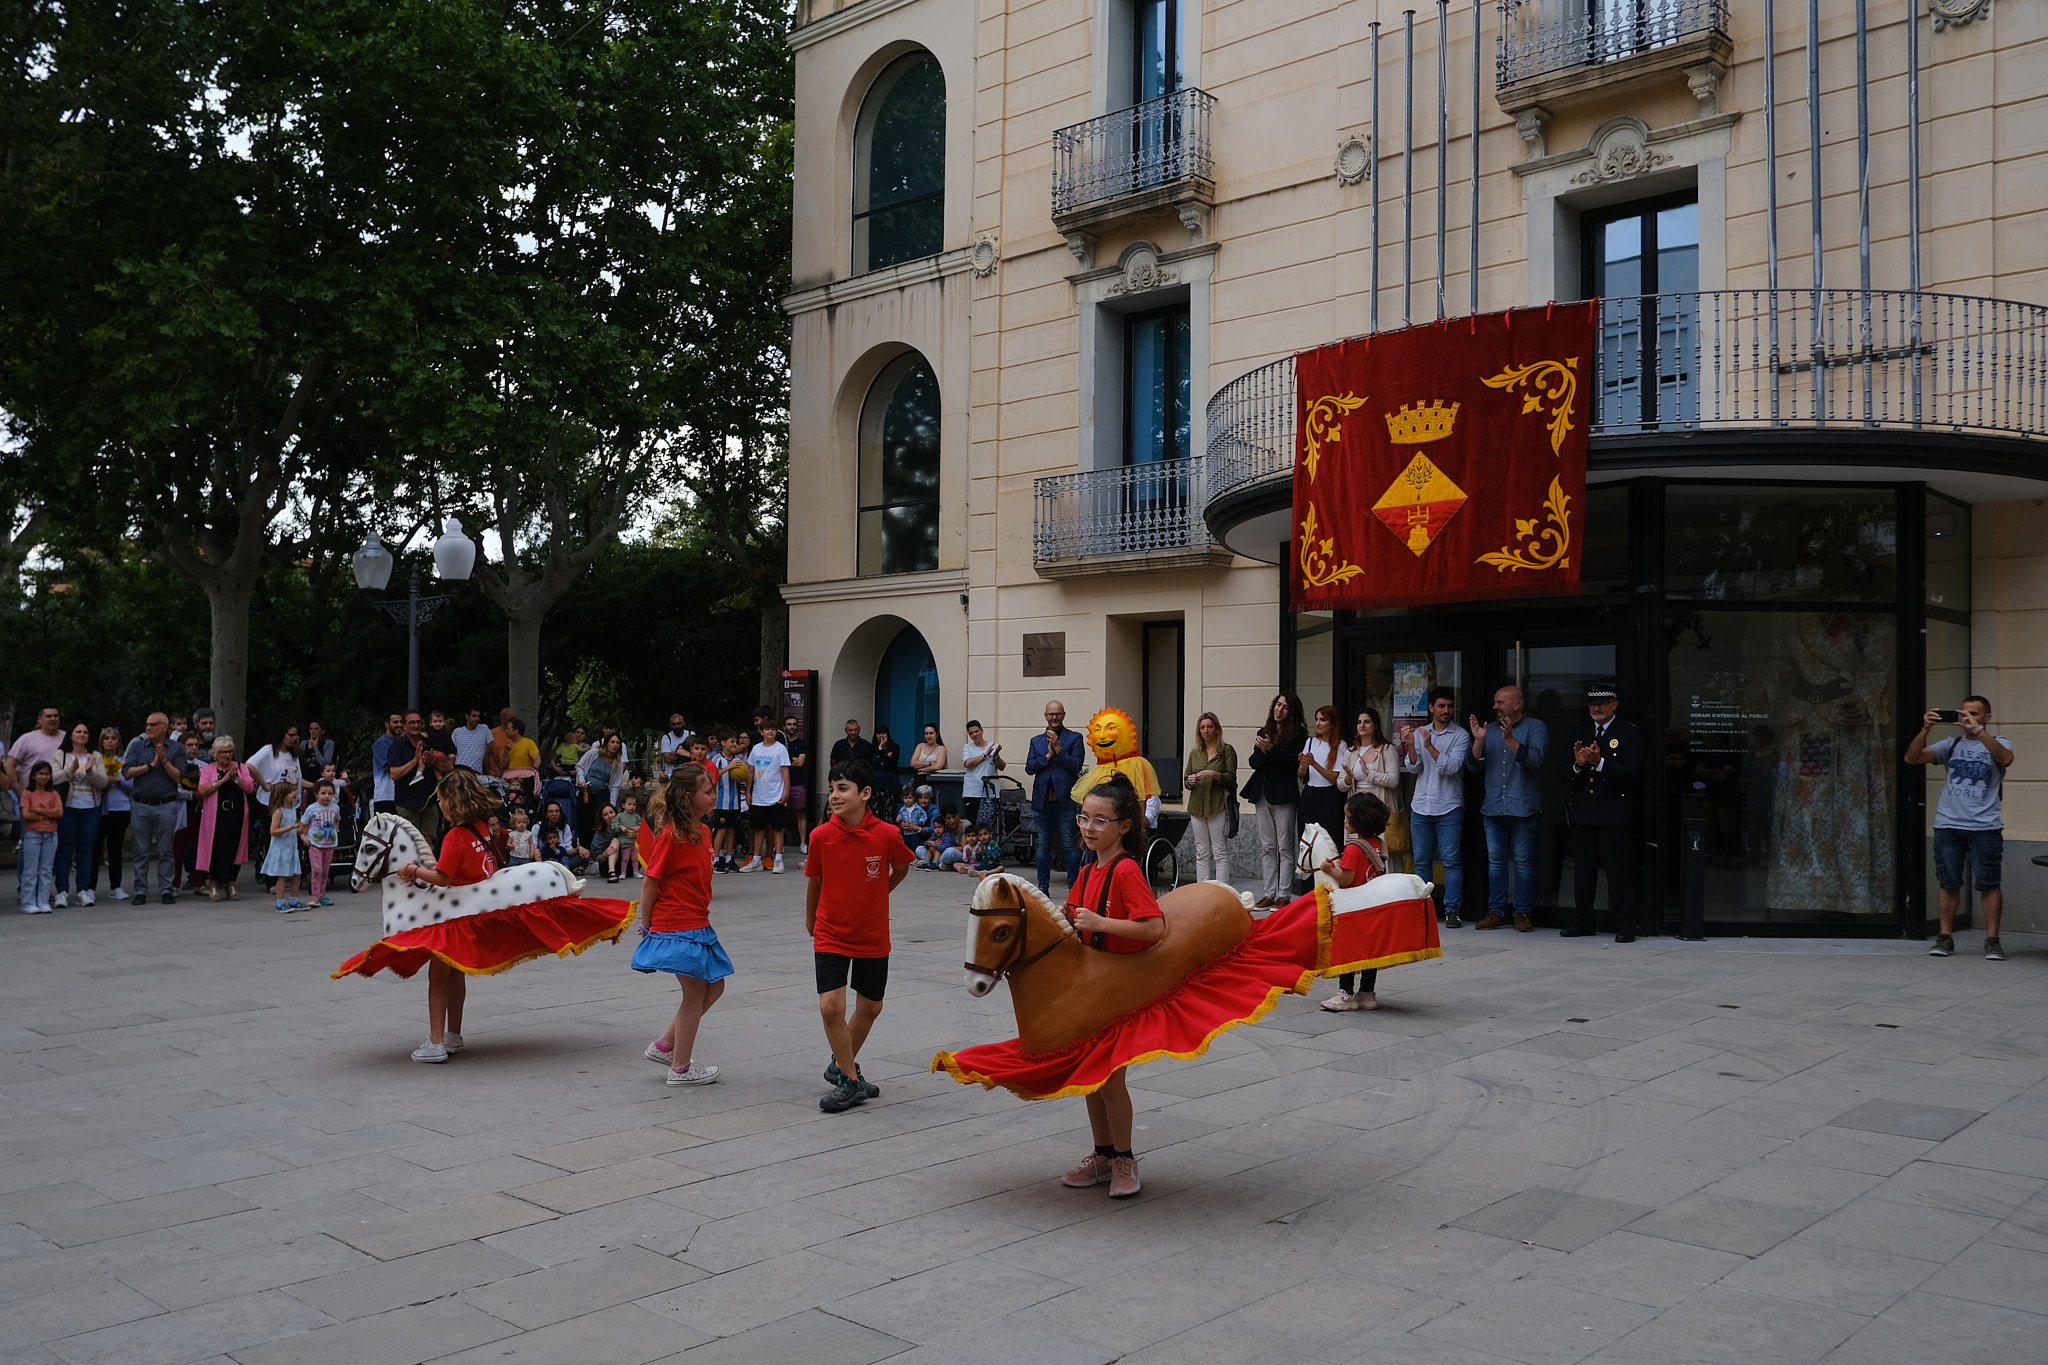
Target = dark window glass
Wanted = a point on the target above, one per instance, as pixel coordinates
(1764, 543)
(899, 197)
(1157, 397)
(899, 471)
(1781, 726)
(1603, 545)
(1948, 554)
(1643, 262)
(1157, 49)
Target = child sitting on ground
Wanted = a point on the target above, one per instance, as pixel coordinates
(518, 841)
(944, 839)
(1364, 857)
(981, 853)
(604, 842)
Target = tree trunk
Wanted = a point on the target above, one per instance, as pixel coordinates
(522, 660)
(227, 598)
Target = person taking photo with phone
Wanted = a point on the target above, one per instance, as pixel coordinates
(1969, 819)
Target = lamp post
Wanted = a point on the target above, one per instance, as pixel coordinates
(454, 557)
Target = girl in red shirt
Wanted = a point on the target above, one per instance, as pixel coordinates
(675, 916)
(465, 859)
(1364, 857)
(1113, 910)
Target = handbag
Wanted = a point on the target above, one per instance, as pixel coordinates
(1398, 838)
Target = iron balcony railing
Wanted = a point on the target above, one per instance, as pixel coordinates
(1160, 142)
(1745, 358)
(1120, 513)
(1538, 37)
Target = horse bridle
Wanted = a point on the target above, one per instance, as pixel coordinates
(1010, 966)
(383, 863)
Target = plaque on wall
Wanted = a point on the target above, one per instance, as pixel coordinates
(1045, 656)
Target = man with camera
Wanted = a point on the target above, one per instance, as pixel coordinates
(1969, 819)
(1508, 755)
(1600, 799)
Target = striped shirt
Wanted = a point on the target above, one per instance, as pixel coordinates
(729, 797)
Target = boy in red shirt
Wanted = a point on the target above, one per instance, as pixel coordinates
(856, 860)
(1365, 857)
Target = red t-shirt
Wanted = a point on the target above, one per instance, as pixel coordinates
(1130, 897)
(466, 856)
(853, 866)
(1354, 861)
(684, 871)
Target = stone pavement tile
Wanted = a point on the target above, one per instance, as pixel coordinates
(1006, 1342)
(1850, 1149)
(1648, 1059)
(404, 1336)
(1832, 1274)
(1709, 1145)
(623, 1335)
(1123, 1235)
(1959, 1189)
(614, 1148)
(1725, 1223)
(389, 1238)
(1319, 1317)
(2009, 1277)
(85, 1303)
(25, 1276)
(224, 1327)
(1794, 1185)
(20, 1205)
(1646, 1270)
(119, 1219)
(1987, 1150)
(1577, 1046)
(729, 1243)
(958, 1293)
(811, 1337)
(423, 1189)
(917, 1244)
(245, 1272)
(384, 1285)
(1556, 1219)
(297, 1216)
(335, 1146)
(17, 1240)
(759, 1118)
(607, 1185)
(1903, 1229)
(1537, 1323)
(1726, 1324)
(660, 1228)
(1900, 1119)
(134, 1179)
(763, 1292)
(1208, 1344)
(575, 1287)
(2025, 1227)
(1923, 1327)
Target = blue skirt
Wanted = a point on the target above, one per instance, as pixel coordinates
(688, 952)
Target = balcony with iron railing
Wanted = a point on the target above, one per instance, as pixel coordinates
(1553, 53)
(1686, 365)
(1152, 156)
(1143, 517)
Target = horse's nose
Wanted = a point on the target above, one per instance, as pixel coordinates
(979, 983)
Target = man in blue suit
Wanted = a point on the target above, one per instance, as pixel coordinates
(1054, 763)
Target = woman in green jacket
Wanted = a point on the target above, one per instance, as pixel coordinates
(1211, 778)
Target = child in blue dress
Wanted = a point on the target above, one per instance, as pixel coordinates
(282, 862)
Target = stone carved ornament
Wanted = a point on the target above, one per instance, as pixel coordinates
(1955, 13)
(1621, 151)
(1142, 271)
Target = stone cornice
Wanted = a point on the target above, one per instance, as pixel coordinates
(852, 16)
(958, 261)
(878, 585)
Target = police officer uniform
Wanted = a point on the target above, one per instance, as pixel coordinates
(1601, 803)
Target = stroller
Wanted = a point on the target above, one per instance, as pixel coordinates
(1011, 821)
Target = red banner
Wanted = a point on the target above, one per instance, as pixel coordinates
(1444, 463)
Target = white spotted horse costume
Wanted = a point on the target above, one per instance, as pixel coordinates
(481, 929)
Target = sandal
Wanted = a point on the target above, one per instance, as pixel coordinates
(213, 893)
(234, 892)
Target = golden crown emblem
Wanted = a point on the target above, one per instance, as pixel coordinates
(1416, 425)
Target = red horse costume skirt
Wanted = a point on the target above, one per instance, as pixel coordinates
(1285, 952)
(498, 940)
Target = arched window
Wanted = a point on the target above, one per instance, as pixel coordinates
(899, 169)
(899, 470)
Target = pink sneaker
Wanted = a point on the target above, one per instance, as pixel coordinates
(1123, 1177)
(1093, 1170)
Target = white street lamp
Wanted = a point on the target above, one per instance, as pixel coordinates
(373, 565)
(454, 553)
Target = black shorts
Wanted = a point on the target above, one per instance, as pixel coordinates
(774, 817)
(727, 819)
(870, 974)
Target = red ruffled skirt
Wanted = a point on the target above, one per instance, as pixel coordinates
(1284, 954)
(498, 940)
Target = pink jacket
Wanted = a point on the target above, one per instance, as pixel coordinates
(244, 779)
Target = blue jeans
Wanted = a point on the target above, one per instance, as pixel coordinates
(38, 854)
(1056, 821)
(1441, 838)
(1510, 836)
(75, 833)
(1983, 849)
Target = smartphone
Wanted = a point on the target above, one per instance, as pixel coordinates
(1948, 717)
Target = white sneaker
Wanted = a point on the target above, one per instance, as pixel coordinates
(698, 1074)
(1338, 1003)
(430, 1052)
(453, 1042)
(85, 898)
(61, 902)
(1365, 1000)
(120, 893)
(655, 1054)
(751, 865)
(778, 864)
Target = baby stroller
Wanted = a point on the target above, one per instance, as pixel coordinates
(1011, 821)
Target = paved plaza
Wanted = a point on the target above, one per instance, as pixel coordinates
(1539, 1150)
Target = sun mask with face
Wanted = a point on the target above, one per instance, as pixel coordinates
(1113, 738)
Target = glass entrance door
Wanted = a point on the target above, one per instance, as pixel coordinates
(1553, 672)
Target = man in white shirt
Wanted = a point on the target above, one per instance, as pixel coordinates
(1435, 753)
(472, 740)
(769, 814)
(672, 744)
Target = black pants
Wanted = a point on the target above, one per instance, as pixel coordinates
(1614, 847)
(106, 849)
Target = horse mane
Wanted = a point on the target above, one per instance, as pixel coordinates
(1028, 892)
(426, 854)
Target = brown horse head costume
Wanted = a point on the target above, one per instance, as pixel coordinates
(1064, 991)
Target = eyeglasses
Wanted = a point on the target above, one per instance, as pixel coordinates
(1097, 821)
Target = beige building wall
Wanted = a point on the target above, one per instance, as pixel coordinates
(1284, 264)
